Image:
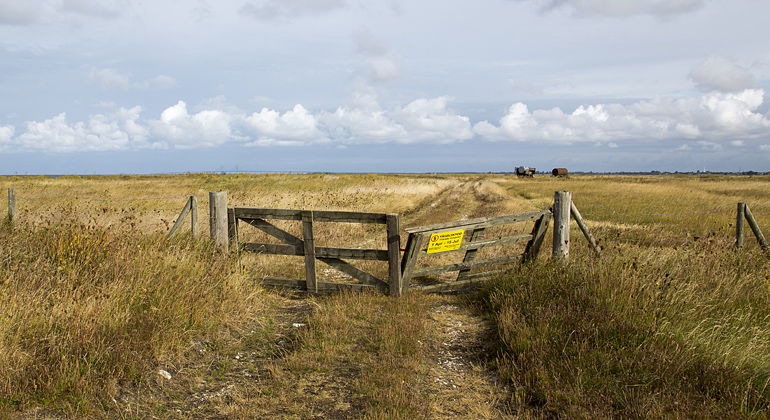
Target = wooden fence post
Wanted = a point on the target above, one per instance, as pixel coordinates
(394, 254)
(561, 216)
(307, 237)
(538, 235)
(232, 228)
(584, 228)
(413, 246)
(11, 204)
(218, 218)
(194, 216)
(739, 224)
(755, 228)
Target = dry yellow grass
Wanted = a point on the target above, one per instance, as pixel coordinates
(90, 288)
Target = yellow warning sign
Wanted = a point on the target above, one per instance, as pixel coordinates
(445, 241)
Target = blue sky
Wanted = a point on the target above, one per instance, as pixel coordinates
(123, 86)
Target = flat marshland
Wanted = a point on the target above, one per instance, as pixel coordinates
(98, 309)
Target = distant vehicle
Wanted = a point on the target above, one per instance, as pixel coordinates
(559, 172)
(523, 171)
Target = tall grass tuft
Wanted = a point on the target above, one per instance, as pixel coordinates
(85, 310)
(679, 334)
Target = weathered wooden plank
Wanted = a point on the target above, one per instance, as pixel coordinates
(354, 272)
(739, 225)
(755, 228)
(274, 231)
(470, 254)
(232, 228)
(263, 213)
(318, 215)
(394, 255)
(411, 254)
(194, 216)
(489, 242)
(477, 223)
(352, 253)
(561, 216)
(218, 218)
(462, 266)
(309, 243)
(273, 249)
(348, 217)
(322, 286)
(320, 252)
(584, 228)
(179, 219)
(484, 274)
(451, 286)
(538, 236)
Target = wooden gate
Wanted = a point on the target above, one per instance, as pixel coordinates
(419, 237)
(305, 246)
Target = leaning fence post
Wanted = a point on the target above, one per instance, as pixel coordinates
(218, 218)
(755, 228)
(561, 216)
(11, 204)
(584, 228)
(739, 225)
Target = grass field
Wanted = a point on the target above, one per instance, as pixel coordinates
(672, 321)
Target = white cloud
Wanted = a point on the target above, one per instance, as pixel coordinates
(376, 64)
(163, 82)
(179, 128)
(621, 8)
(715, 115)
(422, 120)
(159, 82)
(719, 73)
(6, 133)
(110, 79)
(711, 122)
(117, 131)
(287, 9)
(113, 79)
(765, 147)
(379, 68)
(293, 127)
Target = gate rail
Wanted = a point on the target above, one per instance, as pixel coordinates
(305, 246)
(418, 236)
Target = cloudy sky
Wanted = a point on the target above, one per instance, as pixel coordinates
(122, 86)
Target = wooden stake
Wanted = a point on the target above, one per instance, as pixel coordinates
(179, 219)
(538, 235)
(194, 216)
(739, 225)
(11, 204)
(755, 228)
(218, 218)
(561, 216)
(583, 228)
